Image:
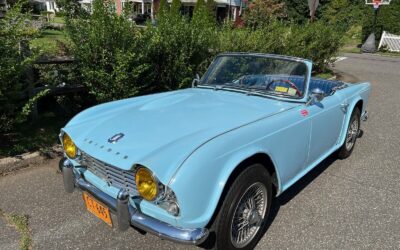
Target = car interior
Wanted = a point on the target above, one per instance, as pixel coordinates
(328, 86)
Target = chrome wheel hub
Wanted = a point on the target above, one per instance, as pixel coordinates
(352, 134)
(249, 214)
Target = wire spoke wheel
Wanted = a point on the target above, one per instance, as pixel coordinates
(248, 215)
(352, 134)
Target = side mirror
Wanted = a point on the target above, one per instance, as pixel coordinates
(317, 95)
(196, 81)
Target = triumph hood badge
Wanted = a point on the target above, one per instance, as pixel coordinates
(115, 138)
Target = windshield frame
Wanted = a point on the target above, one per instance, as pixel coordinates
(307, 76)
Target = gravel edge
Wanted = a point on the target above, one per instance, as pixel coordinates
(11, 164)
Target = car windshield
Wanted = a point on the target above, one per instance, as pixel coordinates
(263, 74)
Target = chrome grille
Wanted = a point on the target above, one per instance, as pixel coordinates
(116, 177)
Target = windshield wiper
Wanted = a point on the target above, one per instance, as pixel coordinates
(229, 85)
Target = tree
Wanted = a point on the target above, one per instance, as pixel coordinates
(342, 14)
(175, 9)
(72, 8)
(211, 7)
(163, 8)
(262, 12)
(203, 14)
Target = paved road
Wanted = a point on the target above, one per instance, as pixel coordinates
(349, 204)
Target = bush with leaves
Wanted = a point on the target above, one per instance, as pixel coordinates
(178, 47)
(262, 12)
(314, 41)
(343, 14)
(108, 53)
(15, 58)
(117, 60)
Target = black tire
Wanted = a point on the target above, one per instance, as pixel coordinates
(253, 177)
(345, 151)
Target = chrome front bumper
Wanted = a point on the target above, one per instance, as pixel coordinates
(127, 215)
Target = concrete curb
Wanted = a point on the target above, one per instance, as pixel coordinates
(10, 164)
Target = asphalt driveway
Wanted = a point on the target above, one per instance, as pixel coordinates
(342, 204)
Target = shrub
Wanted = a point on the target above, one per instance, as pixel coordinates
(178, 47)
(116, 60)
(263, 12)
(343, 14)
(315, 41)
(15, 33)
(108, 54)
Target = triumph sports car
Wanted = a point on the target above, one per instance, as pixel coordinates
(201, 165)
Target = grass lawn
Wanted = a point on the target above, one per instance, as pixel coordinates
(31, 137)
(58, 19)
(352, 39)
(325, 75)
(49, 41)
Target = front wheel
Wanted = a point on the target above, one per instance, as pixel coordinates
(351, 135)
(242, 218)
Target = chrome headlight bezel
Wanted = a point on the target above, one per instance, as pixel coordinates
(76, 149)
(159, 186)
(165, 198)
(169, 202)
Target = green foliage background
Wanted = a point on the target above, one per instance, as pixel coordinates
(118, 60)
(15, 34)
(388, 19)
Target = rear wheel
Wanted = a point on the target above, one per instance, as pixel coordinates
(241, 220)
(351, 135)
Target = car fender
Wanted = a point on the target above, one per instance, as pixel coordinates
(199, 193)
(362, 91)
(200, 181)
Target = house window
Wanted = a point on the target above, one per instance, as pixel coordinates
(147, 8)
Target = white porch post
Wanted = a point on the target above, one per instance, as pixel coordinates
(142, 6)
(152, 10)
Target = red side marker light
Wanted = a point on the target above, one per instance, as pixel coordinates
(304, 112)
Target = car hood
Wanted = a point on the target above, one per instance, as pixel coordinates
(162, 130)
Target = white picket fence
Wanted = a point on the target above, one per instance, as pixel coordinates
(392, 42)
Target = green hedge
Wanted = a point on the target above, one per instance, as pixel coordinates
(117, 60)
(15, 35)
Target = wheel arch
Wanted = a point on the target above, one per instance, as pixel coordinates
(261, 158)
(357, 103)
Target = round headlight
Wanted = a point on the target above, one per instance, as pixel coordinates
(69, 146)
(146, 184)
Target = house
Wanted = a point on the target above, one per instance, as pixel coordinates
(3, 8)
(44, 5)
(230, 9)
(225, 9)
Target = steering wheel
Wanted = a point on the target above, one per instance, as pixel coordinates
(298, 92)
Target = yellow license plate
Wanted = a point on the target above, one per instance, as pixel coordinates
(97, 208)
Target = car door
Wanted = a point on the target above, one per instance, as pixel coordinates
(327, 118)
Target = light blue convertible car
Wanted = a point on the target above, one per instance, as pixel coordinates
(201, 165)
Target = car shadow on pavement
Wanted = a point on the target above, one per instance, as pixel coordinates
(294, 190)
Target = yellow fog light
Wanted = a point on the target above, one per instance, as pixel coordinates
(146, 184)
(69, 146)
